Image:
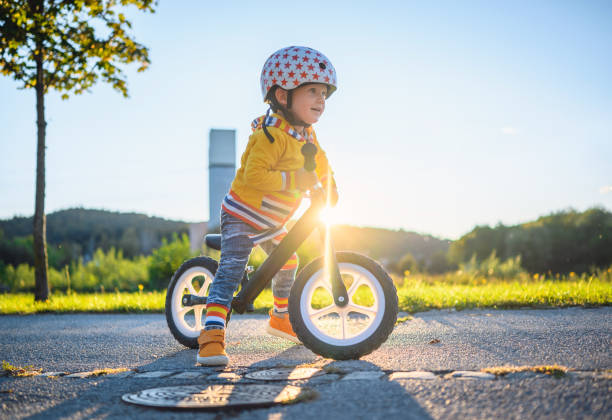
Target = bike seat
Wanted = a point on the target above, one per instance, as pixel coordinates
(213, 241)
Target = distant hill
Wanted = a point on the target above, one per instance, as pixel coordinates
(561, 242)
(79, 232)
(389, 245)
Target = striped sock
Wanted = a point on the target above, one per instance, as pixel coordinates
(215, 316)
(292, 263)
(280, 305)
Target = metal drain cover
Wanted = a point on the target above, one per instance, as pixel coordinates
(214, 396)
(284, 374)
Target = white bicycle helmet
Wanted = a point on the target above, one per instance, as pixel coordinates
(292, 67)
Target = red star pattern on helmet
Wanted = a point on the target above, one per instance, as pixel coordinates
(300, 64)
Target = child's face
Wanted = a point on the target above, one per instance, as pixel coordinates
(308, 102)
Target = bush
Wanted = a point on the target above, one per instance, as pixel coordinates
(492, 267)
(20, 278)
(407, 263)
(166, 259)
(106, 272)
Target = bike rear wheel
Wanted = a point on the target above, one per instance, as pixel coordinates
(351, 331)
(194, 277)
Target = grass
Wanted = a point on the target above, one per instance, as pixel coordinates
(11, 370)
(23, 303)
(553, 370)
(414, 296)
(421, 296)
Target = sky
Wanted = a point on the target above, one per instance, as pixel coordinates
(448, 115)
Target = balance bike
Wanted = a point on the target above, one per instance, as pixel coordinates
(342, 305)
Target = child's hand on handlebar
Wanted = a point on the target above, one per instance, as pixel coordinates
(304, 179)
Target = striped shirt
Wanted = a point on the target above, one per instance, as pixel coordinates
(269, 220)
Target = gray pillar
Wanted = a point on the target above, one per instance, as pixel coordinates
(221, 171)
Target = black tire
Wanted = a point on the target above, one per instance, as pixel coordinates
(316, 341)
(208, 267)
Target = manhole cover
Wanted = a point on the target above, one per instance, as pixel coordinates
(284, 374)
(214, 396)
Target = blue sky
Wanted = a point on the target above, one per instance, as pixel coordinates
(448, 114)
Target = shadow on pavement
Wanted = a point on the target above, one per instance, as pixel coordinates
(330, 395)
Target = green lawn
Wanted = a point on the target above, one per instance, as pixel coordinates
(413, 297)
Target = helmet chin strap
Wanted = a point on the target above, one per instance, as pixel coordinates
(289, 117)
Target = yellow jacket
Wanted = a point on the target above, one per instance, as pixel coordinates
(265, 180)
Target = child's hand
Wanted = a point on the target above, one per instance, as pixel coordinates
(305, 179)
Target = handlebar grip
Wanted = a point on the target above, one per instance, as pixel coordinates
(309, 151)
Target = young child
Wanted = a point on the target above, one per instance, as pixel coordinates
(268, 188)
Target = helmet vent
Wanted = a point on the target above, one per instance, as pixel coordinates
(322, 66)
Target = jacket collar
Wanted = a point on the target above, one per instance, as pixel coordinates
(275, 120)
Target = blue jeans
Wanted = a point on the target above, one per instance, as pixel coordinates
(236, 247)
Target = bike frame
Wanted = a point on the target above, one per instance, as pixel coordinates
(290, 243)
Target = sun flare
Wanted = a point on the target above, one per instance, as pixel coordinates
(329, 216)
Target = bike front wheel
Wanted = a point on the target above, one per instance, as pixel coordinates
(351, 331)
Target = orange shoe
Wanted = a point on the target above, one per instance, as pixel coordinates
(212, 348)
(280, 326)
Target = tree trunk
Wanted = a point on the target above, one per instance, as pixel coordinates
(41, 288)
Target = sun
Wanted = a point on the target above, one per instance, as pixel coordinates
(329, 216)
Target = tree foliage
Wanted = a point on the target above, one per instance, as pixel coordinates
(82, 41)
(67, 46)
(560, 242)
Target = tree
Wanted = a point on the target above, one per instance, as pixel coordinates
(67, 46)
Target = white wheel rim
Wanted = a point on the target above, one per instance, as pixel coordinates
(179, 311)
(345, 337)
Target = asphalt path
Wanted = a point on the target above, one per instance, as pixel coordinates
(577, 338)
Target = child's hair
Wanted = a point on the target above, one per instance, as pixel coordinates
(272, 101)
